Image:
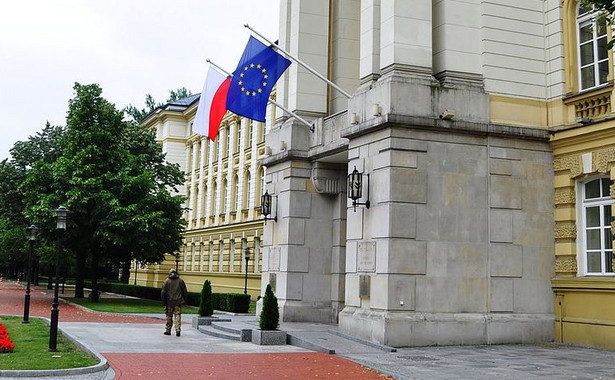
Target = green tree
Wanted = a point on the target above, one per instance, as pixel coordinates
(206, 308)
(607, 7)
(138, 114)
(270, 314)
(114, 179)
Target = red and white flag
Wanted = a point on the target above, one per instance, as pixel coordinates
(212, 104)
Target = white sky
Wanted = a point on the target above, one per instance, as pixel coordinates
(129, 47)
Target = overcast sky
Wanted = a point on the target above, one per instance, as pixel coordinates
(129, 47)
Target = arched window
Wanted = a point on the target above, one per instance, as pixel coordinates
(214, 205)
(236, 191)
(595, 239)
(223, 196)
(246, 195)
(592, 48)
(261, 188)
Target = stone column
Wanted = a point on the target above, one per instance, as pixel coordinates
(369, 69)
(405, 35)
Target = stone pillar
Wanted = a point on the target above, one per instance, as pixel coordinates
(305, 242)
(193, 182)
(200, 206)
(369, 68)
(344, 54)
(405, 35)
(304, 32)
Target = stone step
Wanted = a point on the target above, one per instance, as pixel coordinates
(245, 333)
(208, 330)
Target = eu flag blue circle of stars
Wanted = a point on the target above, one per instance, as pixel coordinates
(253, 79)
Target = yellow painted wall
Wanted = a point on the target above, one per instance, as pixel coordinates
(585, 311)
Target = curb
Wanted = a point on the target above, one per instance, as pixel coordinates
(100, 367)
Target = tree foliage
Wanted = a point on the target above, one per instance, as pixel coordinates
(138, 114)
(206, 308)
(270, 314)
(113, 177)
(607, 9)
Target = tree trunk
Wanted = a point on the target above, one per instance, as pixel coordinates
(125, 272)
(79, 269)
(94, 296)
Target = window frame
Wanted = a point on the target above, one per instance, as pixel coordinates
(582, 20)
(582, 205)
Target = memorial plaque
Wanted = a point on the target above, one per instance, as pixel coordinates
(274, 258)
(366, 257)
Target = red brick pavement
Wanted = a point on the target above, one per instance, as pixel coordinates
(296, 365)
(12, 303)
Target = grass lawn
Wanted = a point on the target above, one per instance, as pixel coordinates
(127, 305)
(32, 344)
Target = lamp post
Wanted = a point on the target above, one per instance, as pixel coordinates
(177, 263)
(61, 216)
(246, 256)
(26, 306)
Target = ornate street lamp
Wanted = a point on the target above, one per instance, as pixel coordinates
(266, 206)
(246, 255)
(355, 188)
(26, 306)
(61, 217)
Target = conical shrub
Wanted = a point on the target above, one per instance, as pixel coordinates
(270, 315)
(206, 307)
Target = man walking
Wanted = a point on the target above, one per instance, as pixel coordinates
(174, 295)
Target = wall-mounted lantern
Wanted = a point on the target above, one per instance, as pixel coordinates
(266, 207)
(355, 188)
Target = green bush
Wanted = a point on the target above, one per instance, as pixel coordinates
(232, 302)
(270, 315)
(206, 308)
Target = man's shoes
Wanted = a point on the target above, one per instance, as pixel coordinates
(177, 333)
(167, 333)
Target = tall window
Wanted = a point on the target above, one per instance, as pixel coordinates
(593, 52)
(246, 196)
(251, 132)
(595, 232)
(236, 192)
(238, 142)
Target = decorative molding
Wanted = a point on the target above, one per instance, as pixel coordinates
(570, 162)
(567, 264)
(603, 159)
(326, 181)
(565, 196)
(593, 106)
(565, 230)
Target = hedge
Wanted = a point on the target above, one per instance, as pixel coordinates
(232, 302)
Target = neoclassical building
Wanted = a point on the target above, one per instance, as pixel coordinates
(485, 138)
(224, 184)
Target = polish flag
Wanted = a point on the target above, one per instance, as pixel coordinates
(212, 104)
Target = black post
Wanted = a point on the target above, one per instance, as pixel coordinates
(177, 263)
(136, 271)
(26, 305)
(53, 332)
(247, 256)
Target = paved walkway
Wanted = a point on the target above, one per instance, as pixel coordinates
(136, 349)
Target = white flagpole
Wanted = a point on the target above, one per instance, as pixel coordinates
(270, 100)
(301, 63)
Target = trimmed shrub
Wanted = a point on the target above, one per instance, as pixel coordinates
(206, 308)
(270, 315)
(233, 302)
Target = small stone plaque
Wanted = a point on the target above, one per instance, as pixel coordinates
(274, 258)
(366, 258)
(272, 281)
(364, 281)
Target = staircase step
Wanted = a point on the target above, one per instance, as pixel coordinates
(244, 333)
(218, 333)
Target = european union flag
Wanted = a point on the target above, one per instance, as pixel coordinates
(253, 79)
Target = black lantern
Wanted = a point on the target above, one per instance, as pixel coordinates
(355, 188)
(33, 230)
(61, 217)
(266, 207)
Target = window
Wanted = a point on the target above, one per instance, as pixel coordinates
(595, 232)
(250, 131)
(246, 196)
(593, 52)
(238, 142)
(236, 192)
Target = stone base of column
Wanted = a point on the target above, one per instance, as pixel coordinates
(415, 329)
(306, 311)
